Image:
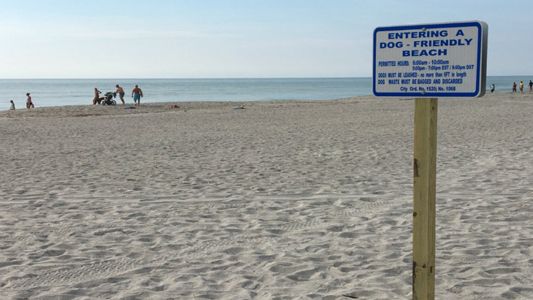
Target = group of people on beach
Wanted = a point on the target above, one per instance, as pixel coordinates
(29, 102)
(136, 94)
(521, 86)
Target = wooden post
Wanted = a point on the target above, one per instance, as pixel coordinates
(424, 190)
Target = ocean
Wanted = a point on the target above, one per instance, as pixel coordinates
(57, 92)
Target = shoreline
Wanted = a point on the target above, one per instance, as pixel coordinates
(59, 92)
(161, 106)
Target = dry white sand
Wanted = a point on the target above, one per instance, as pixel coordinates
(285, 200)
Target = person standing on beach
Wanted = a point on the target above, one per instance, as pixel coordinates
(29, 102)
(530, 86)
(521, 86)
(514, 87)
(12, 105)
(137, 93)
(492, 88)
(121, 93)
(97, 99)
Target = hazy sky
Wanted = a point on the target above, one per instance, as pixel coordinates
(234, 38)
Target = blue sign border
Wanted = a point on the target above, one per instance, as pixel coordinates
(432, 94)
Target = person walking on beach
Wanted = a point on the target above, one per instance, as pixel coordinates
(12, 107)
(137, 93)
(97, 99)
(514, 87)
(521, 86)
(29, 102)
(530, 86)
(121, 93)
(492, 88)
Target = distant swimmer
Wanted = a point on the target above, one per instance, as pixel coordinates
(492, 88)
(12, 107)
(530, 86)
(29, 102)
(521, 87)
(121, 93)
(137, 93)
(514, 87)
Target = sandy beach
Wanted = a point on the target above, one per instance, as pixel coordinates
(280, 200)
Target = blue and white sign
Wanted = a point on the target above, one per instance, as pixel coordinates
(431, 60)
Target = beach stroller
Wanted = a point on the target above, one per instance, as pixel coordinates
(108, 99)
